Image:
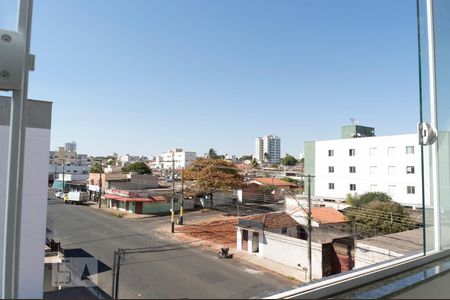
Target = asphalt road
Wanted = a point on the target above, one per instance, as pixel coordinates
(173, 270)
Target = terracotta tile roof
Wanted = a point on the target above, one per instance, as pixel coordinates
(328, 215)
(127, 199)
(273, 220)
(274, 181)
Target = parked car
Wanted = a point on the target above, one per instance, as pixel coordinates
(59, 194)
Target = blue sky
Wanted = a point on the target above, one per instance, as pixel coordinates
(142, 77)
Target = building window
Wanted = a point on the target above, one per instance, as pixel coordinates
(372, 151)
(301, 233)
(330, 152)
(352, 187)
(410, 170)
(391, 170)
(391, 190)
(283, 230)
(331, 186)
(409, 149)
(352, 169)
(373, 170)
(330, 169)
(410, 189)
(373, 187)
(391, 150)
(351, 152)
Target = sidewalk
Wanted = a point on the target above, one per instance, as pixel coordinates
(120, 214)
(290, 272)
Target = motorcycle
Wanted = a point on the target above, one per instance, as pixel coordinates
(223, 253)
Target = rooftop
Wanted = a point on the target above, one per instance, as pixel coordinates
(328, 215)
(274, 181)
(404, 242)
(135, 199)
(269, 220)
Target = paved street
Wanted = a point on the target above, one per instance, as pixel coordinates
(174, 270)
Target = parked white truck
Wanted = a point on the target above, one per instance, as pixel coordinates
(76, 197)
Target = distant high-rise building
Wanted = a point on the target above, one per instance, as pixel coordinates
(268, 149)
(70, 147)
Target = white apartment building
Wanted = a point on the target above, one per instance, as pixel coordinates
(127, 159)
(183, 159)
(268, 144)
(70, 147)
(68, 169)
(390, 164)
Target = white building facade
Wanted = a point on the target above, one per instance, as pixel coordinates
(34, 193)
(269, 144)
(389, 164)
(183, 159)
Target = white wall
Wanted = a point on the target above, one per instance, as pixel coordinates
(366, 255)
(71, 169)
(363, 161)
(291, 251)
(183, 159)
(34, 208)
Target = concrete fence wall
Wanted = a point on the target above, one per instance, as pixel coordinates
(292, 251)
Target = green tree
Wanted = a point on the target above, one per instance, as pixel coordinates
(379, 218)
(246, 157)
(96, 168)
(289, 160)
(212, 153)
(137, 167)
(358, 201)
(255, 164)
(291, 180)
(208, 175)
(266, 157)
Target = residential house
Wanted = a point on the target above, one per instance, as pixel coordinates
(140, 194)
(280, 238)
(266, 190)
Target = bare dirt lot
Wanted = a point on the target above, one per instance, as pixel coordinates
(217, 232)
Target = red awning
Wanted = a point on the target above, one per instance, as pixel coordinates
(126, 199)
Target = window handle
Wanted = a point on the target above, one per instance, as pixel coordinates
(427, 134)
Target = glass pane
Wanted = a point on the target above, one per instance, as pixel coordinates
(442, 58)
(436, 158)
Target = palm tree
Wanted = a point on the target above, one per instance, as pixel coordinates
(254, 164)
(266, 157)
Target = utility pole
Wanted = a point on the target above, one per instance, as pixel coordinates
(173, 194)
(182, 198)
(113, 285)
(309, 230)
(100, 187)
(64, 162)
(120, 252)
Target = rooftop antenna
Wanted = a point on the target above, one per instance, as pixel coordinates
(354, 121)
